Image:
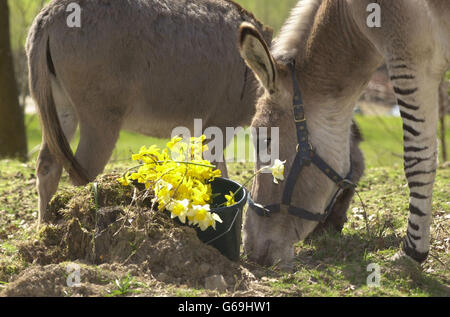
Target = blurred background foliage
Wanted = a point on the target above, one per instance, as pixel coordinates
(271, 12)
(21, 15)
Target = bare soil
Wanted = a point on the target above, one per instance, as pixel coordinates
(107, 230)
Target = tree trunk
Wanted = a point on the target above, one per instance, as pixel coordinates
(13, 141)
(443, 108)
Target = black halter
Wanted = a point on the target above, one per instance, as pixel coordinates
(304, 157)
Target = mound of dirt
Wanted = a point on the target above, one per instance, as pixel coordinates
(105, 224)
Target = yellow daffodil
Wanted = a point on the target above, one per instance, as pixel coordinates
(179, 179)
(163, 193)
(230, 199)
(125, 180)
(173, 141)
(149, 155)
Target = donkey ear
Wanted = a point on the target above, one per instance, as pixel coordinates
(255, 52)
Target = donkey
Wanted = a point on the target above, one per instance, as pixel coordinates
(335, 54)
(146, 66)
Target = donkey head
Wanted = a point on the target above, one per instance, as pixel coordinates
(269, 240)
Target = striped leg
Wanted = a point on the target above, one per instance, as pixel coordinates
(418, 100)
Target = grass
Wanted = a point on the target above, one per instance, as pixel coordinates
(326, 265)
(125, 286)
(337, 264)
(333, 264)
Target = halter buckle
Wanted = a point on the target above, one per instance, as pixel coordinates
(297, 148)
(298, 110)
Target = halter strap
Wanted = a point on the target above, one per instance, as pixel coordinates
(304, 157)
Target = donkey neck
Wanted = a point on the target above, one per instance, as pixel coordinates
(337, 61)
(333, 68)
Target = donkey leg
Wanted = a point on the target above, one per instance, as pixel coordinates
(48, 170)
(218, 158)
(96, 146)
(417, 93)
(48, 173)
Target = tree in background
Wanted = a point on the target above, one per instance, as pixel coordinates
(12, 128)
(21, 16)
(444, 104)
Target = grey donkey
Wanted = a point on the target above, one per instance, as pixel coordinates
(142, 65)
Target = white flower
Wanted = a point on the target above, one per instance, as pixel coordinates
(215, 217)
(196, 210)
(178, 208)
(208, 220)
(277, 170)
(203, 217)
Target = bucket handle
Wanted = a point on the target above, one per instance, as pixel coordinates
(225, 232)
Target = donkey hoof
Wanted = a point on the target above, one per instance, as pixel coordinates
(402, 258)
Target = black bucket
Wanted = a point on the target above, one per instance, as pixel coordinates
(227, 236)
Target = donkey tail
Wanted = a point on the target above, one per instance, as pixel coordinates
(41, 69)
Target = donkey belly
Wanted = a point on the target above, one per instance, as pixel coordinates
(177, 98)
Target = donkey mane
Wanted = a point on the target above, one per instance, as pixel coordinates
(296, 29)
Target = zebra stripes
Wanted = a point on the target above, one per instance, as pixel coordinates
(417, 157)
(404, 92)
(417, 195)
(415, 173)
(413, 225)
(402, 77)
(410, 117)
(410, 129)
(403, 104)
(415, 149)
(416, 211)
(416, 161)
